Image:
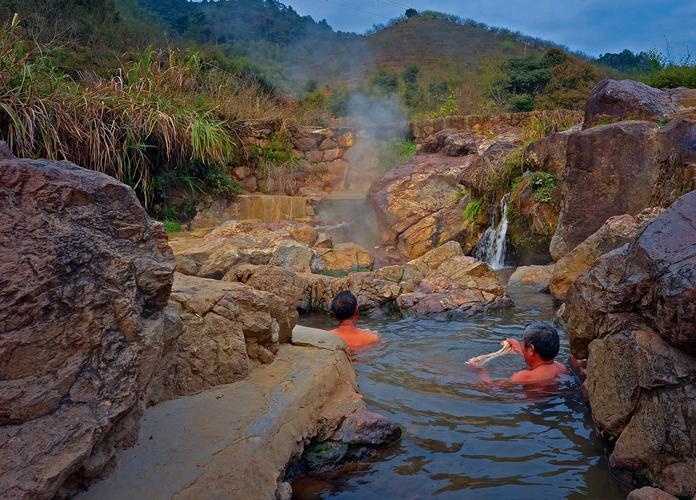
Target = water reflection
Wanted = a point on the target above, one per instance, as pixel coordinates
(463, 440)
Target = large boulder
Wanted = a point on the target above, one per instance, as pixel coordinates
(618, 100)
(621, 169)
(213, 329)
(246, 242)
(615, 232)
(419, 203)
(633, 315)
(342, 258)
(84, 276)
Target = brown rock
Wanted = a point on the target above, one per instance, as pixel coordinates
(242, 172)
(346, 140)
(342, 258)
(537, 277)
(238, 242)
(424, 187)
(617, 100)
(304, 234)
(451, 142)
(328, 144)
(314, 156)
(306, 143)
(332, 154)
(293, 256)
(615, 232)
(620, 169)
(548, 154)
(364, 427)
(649, 493)
(633, 312)
(249, 184)
(434, 258)
(84, 276)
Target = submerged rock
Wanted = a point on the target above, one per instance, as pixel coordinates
(84, 276)
(633, 315)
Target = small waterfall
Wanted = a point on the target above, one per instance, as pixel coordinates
(493, 245)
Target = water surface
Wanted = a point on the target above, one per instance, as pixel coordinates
(462, 440)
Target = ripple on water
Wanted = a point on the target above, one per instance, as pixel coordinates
(462, 440)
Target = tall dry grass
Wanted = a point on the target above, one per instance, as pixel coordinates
(161, 110)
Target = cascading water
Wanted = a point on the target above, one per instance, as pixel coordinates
(493, 245)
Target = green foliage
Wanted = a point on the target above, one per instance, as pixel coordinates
(172, 226)
(394, 151)
(411, 13)
(672, 75)
(555, 80)
(167, 114)
(504, 179)
(385, 82)
(338, 102)
(628, 62)
(218, 183)
(544, 185)
(473, 208)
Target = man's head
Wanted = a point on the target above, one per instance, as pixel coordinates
(540, 339)
(344, 305)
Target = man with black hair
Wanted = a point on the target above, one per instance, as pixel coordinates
(344, 308)
(539, 347)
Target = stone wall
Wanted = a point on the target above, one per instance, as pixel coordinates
(423, 129)
(321, 154)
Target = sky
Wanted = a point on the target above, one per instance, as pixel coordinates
(591, 26)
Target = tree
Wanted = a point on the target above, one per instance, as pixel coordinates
(411, 13)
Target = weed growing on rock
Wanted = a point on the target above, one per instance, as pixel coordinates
(544, 185)
(472, 209)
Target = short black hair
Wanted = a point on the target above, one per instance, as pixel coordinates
(543, 337)
(343, 305)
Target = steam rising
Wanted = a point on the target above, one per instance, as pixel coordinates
(374, 119)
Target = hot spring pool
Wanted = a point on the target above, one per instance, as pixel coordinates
(460, 439)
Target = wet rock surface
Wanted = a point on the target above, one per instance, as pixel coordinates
(84, 276)
(633, 315)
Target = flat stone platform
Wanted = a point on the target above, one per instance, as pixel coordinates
(233, 441)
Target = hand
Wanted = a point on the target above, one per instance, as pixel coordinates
(515, 345)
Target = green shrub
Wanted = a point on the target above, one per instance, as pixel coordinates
(472, 209)
(544, 185)
(172, 226)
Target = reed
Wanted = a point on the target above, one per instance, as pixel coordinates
(160, 110)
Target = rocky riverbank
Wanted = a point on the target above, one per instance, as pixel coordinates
(105, 349)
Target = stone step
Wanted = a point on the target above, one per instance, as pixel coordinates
(233, 441)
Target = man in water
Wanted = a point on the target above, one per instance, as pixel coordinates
(539, 347)
(344, 308)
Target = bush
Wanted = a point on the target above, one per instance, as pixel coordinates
(472, 209)
(544, 185)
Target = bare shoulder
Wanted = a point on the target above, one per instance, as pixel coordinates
(522, 376)
(562, 369)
